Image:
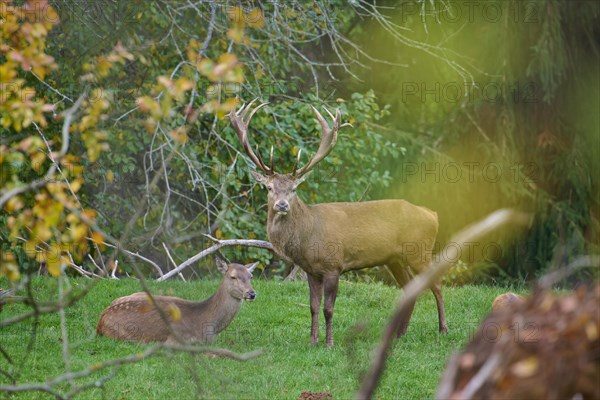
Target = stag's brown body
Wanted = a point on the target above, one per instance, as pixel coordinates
(136, 318)
(332, 238)
(328, 239)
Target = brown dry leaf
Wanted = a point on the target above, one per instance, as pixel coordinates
(591, 331)
(526, 368)
(467, 360)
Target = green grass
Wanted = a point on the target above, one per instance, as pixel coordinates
(278, 322)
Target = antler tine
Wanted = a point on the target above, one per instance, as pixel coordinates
(330, 114)
(328, 140)
(294, 170)
(241, 127)
(244, 108)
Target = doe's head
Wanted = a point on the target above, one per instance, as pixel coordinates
(237, 279)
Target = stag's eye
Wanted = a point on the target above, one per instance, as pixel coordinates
(233, 277)
(270, 188)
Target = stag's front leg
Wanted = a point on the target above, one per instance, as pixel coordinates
(315, 284)
(331, 287)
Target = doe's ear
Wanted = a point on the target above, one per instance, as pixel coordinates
(251, 267)
(259, 177)
(222, 265)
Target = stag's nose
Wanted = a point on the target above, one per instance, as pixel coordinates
(251, 295)
(282, 207)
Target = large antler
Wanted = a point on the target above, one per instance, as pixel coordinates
(328, 140)
(241, 127)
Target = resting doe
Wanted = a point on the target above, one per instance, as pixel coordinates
(135, 318)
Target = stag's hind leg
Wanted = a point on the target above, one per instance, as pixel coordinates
(419, 264)
(402, 275)
(436, 288)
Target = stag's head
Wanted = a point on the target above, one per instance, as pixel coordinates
(282, 187)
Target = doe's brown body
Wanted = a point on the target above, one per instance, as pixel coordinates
(136, 317)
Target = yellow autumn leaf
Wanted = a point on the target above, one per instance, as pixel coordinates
(184, 84)
(37, 160)
(91, 214)
(255, 18)
(236, 14)
(174, 312)
(54, 260)
(53, 213)
(30, 248)
(149, 299)
(148, 104)
(42, 232)
(76, 184)
(13, 204)
(11, 271)
(236, 34)
(103, 66)
(79, 232)
(97, 238)
(179, 135)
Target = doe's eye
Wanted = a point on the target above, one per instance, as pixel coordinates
(270, 188)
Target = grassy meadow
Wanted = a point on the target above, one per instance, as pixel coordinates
(278, 322)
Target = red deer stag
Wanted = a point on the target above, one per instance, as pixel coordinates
(328, 239)
(134, 317)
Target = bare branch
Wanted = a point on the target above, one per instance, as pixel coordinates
(219, 244)
(49, 385)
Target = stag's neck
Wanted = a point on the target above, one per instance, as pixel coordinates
(221, 309)
(291, 230)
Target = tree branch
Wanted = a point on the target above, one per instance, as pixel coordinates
(49, 386)
(219, 244)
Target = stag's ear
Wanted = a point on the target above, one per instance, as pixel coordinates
(222, 265)
(259, 177)
(251, 267)
(298, 181)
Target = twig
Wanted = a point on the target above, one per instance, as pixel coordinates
(63, 325)
(447, 381)
(47, 309)
(113, 273)
(171, 259)
(137, 255)
(49, 386)
(479, 379)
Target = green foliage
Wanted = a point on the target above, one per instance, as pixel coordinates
(524, 106)
(299, 54)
